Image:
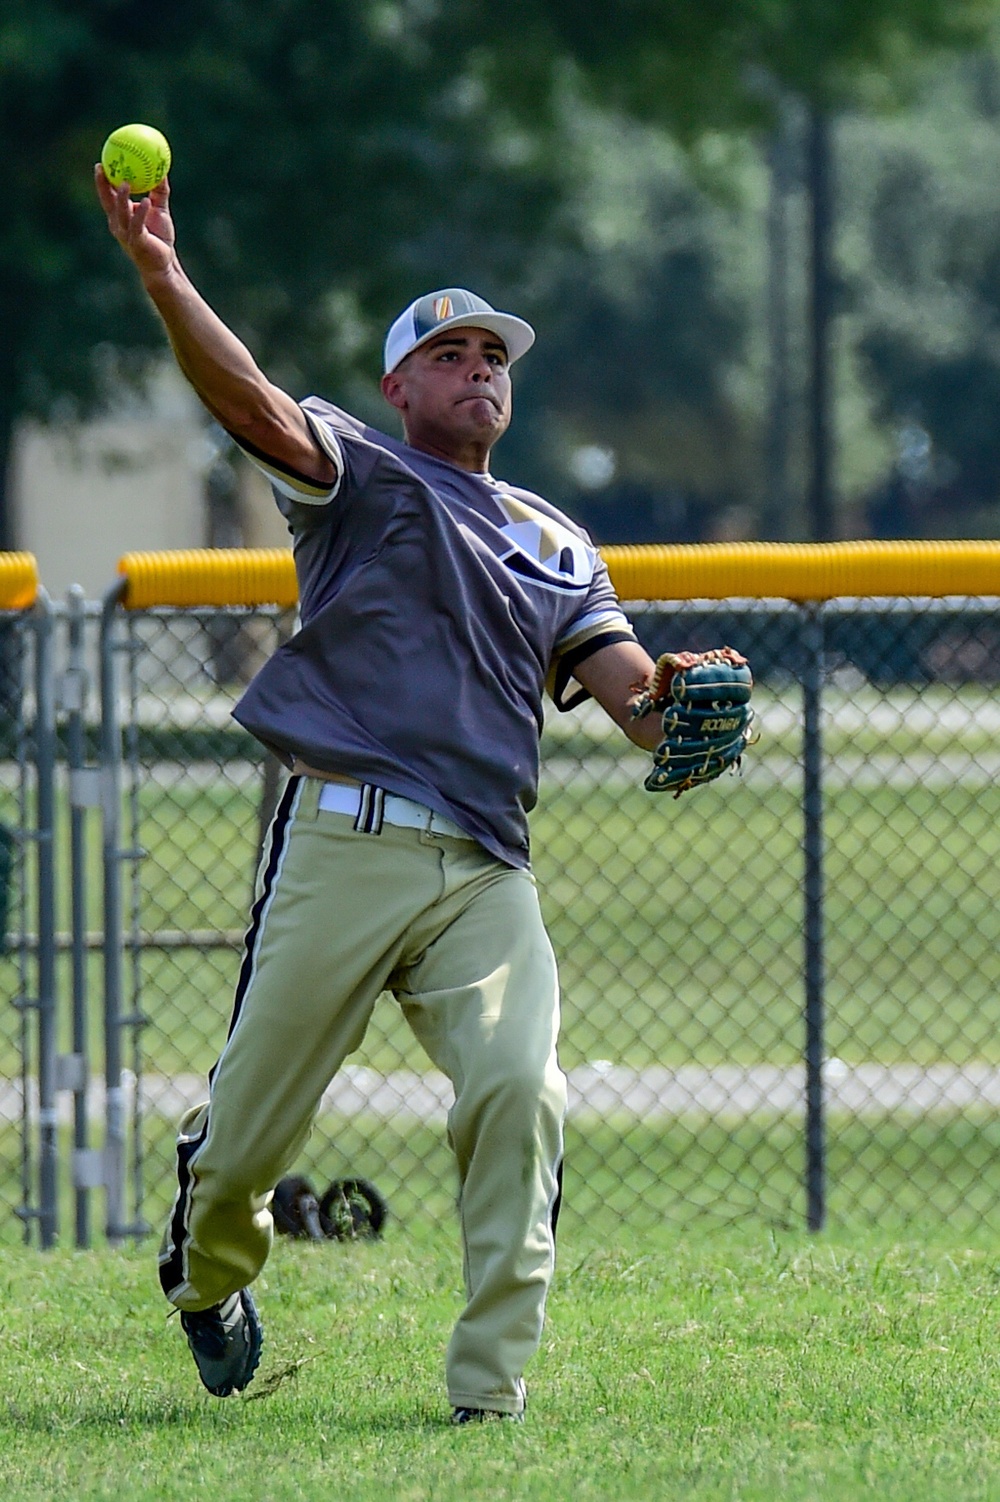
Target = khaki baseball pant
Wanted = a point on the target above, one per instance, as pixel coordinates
(457, 937)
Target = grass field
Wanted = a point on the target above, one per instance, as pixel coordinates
(905, 1176)
(733, 1365)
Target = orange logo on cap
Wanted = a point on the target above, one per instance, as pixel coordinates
(442, 308)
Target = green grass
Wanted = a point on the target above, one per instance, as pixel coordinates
(904, 1174)
(907, 1176)
(737, 1365)
(700, 1345)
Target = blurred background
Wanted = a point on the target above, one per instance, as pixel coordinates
(760, 241)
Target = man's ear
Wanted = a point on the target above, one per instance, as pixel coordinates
(394, 391)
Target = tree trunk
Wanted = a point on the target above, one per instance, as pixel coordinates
(776, 513)
(9, 686)
(6, 454)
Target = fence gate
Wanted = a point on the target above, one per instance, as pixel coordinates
(187, 797)
(28, 1120)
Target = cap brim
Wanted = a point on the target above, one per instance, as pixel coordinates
(518, 336)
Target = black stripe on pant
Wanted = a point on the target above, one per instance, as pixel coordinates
(172, 1267)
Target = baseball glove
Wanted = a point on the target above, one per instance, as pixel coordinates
(353, 1210)
(350, 1210)
(296, 1210)
(704, 700)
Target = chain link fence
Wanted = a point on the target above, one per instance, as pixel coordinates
(28, 1082)
(16, 959)
(780, 991)
(786, 1039)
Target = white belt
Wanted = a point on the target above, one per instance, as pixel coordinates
(370, 807)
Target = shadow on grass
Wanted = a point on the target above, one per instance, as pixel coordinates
(146, 1414)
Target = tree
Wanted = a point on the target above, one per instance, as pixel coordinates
(334, 156)
(927, 303)
(697, 65)
(323, 161)
(628, 410)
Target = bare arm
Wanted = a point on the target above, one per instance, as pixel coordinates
(616, 676)
(219, 366)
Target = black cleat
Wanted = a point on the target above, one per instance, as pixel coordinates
(225, 1342)
(483, 1415)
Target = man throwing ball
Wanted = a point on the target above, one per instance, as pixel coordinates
(437, 604)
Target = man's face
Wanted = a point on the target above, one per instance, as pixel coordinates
(453, 392)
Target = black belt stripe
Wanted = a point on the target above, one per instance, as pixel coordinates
(371, 809)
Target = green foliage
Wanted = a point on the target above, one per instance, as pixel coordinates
(315, 148)
(331, 159)
(921, 252)
(647, 340)
(693, 66)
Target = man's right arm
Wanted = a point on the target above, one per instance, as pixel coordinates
(219, 366)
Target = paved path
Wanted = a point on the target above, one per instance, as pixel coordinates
(602, 1089)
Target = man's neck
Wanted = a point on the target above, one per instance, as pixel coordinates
(474, 457)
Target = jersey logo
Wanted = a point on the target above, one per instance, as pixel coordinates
(541, 551)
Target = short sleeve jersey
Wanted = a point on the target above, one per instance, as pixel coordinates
(436, 605)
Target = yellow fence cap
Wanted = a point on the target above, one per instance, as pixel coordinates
(804, 571)
(669, 571)
(18, 581)
(209, 576)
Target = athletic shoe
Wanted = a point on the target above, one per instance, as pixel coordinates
(225, 1342)
(483, 1415)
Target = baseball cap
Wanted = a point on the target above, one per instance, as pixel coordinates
(453, 308)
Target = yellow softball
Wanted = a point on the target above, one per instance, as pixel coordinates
(136, 154)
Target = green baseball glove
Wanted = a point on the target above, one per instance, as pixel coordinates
(704, 700)
(351, 1209)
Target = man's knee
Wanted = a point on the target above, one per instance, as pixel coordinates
(524, 1096)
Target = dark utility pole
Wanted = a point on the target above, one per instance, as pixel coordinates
(820, 518)
(6, 446)
(819, 191)
(778, 506)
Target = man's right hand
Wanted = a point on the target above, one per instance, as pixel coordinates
(143, 227)
(218, 365)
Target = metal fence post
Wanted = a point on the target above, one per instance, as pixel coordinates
(812, 809)
(23, 1001)
(45, 758)
(84, 793)
(114, 1141)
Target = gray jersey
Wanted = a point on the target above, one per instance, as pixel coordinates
(436, 605)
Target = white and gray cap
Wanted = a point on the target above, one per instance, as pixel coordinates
(453, 308)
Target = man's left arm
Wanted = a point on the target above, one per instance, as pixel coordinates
(615, 676)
